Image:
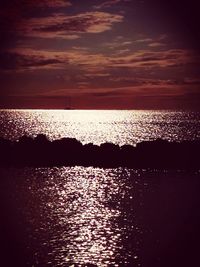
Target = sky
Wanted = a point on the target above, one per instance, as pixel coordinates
(100, 54)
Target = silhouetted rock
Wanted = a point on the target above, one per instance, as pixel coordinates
(90, 154)
(40, 151)
(127, 155)
(41, 139)
(109, 155)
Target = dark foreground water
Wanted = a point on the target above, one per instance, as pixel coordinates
(114, 217)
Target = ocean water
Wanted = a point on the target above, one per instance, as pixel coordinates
(77, 216)
(98, 126)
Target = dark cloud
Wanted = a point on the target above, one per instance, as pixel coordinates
(14, 12)
(14, 61)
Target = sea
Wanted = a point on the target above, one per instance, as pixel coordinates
(95, 217)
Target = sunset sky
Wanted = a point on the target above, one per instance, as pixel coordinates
(115, 54)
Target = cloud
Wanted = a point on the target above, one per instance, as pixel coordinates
(38, 4)
(145, 90)
(69, 27)
(122, 51)
(154, 86)
(150, 59)
(145, 40)
(25, 59)
(119, 42)
(191, 81)
(18, 9)
(141, 59)
(162, 37)
(107, 4)
(156, 44)
(96, 75)
(20, 62)
(14, 17)
(50, 3)
(138, 81)
(99, 62)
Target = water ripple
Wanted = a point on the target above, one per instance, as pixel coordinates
(81, 216)
(99, 126)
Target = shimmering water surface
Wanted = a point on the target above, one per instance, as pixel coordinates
(77, 216)
(98, 126)
(115, 217)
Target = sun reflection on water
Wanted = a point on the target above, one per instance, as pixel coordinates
(99, 126)
(85, 212)
(93, 235)
(86, 217)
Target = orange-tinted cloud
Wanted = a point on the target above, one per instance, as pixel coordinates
(69, 27)
(107, 4)
(27, 58)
